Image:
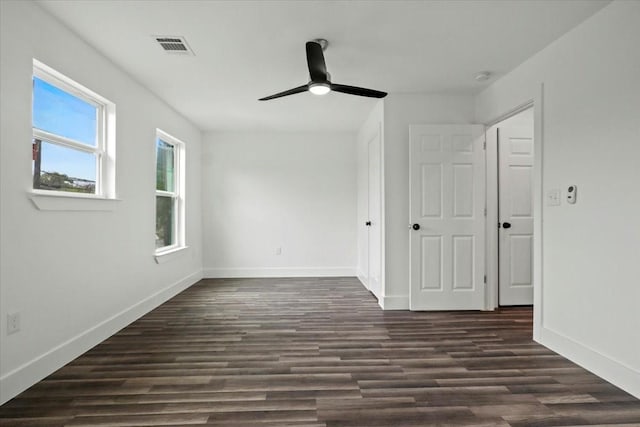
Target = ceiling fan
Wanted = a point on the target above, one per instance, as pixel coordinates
(320, 83)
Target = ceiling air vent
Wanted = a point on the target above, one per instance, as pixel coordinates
(174, 45)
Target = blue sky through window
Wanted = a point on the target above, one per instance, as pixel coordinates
(61, 113)
(73, 163)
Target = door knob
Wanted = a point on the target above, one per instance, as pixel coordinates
(506, 225)
(416, 226)
(368, 223)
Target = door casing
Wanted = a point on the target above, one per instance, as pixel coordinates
(536, 101)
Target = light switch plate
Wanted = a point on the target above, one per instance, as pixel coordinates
(553, 197)
(13, 323)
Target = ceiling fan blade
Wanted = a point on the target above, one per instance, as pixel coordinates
(360, 91)
(315, 61)
(293, 91)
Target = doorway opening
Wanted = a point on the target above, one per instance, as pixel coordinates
(510, 209)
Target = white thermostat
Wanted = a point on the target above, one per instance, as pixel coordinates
(572, 193)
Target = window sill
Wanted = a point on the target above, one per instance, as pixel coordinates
(170, 255)
(61, 202)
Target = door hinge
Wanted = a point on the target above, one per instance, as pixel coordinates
(484, 145)
(485, 278)
(485, 211)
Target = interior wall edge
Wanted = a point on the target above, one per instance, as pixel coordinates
(23, 377)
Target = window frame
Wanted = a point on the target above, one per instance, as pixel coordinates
(178, 193)
(104, 149)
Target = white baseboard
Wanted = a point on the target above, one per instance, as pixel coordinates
(611, 370)
(224, 273)
(23, 377)
(363, 279)
(394, 302)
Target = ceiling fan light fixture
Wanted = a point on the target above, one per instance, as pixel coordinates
(320, 80)
(319, 88)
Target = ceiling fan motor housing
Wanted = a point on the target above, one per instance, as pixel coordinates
(322, 42)
(326, 80)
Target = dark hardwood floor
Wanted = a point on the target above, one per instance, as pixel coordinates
(318, 353)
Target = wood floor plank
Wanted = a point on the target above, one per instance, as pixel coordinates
(318, 352)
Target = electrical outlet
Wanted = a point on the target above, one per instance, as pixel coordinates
(278, 251)
(13, 323)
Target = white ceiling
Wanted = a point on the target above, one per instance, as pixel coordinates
(249, 49)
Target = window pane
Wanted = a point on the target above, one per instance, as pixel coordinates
(61, 113)
(63, 169)
(165, 214)
(164, 166)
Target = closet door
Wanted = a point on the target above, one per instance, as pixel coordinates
(515, 176)
(375, 215)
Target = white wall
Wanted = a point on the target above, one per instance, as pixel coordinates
(78, 277)
(400, 111)
(591, 138)
(373, 123)
(295, 191)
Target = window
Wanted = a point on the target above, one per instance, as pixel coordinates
(169, 193)
(72, 143)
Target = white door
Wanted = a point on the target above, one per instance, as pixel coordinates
(375, 214)
(447, 206)
(515, 182)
